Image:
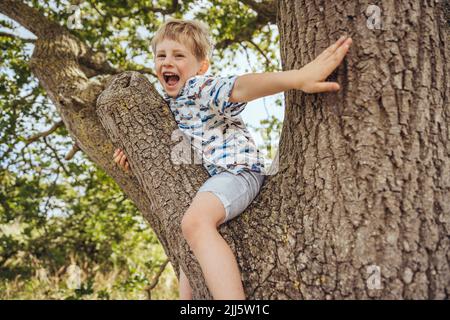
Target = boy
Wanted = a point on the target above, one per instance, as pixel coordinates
(207, 109)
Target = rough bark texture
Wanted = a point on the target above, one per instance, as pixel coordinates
(364, 175)
(372, 163)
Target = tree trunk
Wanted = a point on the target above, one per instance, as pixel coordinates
(359, 207)
(369, 167)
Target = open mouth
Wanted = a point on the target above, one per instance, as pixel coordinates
(171, 78)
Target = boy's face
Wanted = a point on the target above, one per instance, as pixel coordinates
(173, 57)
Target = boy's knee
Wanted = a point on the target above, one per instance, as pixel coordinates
(191, 226)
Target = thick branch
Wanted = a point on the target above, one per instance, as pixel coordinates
(141, 69)
(90, 62)
(14, 36)
(29, 17)
(71, 153)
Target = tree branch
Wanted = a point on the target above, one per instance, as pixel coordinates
(95, 63)
(92, 63)
(155, 280)
(44, 133)
(29, 17)
(71, 153)
(13, 36)
(268, 62)
(98, 10)
(143, 70)
(266, 9)
(57, 157)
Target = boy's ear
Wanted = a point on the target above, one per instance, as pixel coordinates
(204, 67)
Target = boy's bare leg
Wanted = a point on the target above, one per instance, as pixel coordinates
(213, 253)
(185, 287)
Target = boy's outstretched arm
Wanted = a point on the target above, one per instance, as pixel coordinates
(309, 79)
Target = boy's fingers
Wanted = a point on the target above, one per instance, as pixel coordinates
(327, 86)
(119, 156)
(335, 59)
(340, 53)
(331, 49)
(122, 160)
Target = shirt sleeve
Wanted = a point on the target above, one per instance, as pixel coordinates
(215, 92)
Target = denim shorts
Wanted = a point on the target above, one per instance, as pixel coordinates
(236, 191)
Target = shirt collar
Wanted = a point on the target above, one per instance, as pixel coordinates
(166, 96)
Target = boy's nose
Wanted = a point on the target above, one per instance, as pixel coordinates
(167, 60)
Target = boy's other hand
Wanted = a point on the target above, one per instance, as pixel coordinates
(121, 159)
(311, 76)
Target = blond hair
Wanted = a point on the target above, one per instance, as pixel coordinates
(192, 33)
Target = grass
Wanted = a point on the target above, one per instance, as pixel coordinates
(114, 285)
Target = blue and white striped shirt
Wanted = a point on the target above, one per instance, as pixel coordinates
(213, 125)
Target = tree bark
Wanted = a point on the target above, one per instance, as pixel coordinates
(363, 184)
(372, 161)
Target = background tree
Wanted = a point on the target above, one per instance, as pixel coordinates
(359, 207)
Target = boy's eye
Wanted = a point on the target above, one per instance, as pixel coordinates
(177, 56)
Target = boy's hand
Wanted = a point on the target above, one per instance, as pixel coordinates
(311, 77)
(121, 159)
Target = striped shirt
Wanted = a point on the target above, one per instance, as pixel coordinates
(213, 125)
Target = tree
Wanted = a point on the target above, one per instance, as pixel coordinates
(359, 207)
